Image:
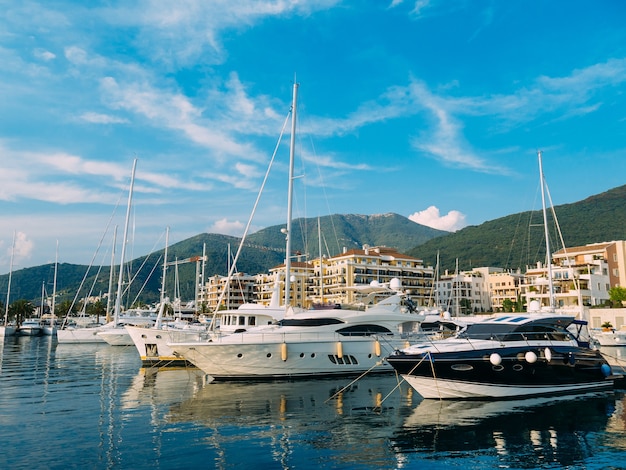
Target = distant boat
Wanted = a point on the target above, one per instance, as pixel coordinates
(515, 355)
(30, 327)
(610, 338)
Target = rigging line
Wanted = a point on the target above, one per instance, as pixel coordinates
(91, 263)
(154, 267)
(323, 187)
(245, 232)
(354, 381)
(140, 268)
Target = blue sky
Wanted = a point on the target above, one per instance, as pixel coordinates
(432, 109)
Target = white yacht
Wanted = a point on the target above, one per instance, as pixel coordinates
(30, 327)
(314, 343)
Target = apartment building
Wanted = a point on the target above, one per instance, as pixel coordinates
(505, 289)
(581, 276)
(240, 290)
(342, 279)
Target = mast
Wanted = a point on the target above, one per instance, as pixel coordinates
(111, 274)
(118, 299)
(54, 286)
(292, 148)
(319, 240)
(546, 232)
(162, 299)
(6, 307)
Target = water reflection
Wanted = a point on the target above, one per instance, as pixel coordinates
(286, 422)
(529, 433)
(93, 406)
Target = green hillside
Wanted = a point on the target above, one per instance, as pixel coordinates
(518, 240)
(262, 251)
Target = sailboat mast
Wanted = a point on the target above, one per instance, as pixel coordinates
(111, 274)
(121, 274)
(546, 232)
(54, 286)
(292, 148)
(319, 241)
(162, 297)
(6, 307)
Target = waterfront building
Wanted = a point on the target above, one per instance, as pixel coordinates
(239, 290)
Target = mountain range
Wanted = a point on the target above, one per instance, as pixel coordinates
(511, 242)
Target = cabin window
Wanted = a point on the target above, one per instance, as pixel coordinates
(252, 321)
(364, 330)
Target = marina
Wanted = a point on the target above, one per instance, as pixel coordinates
(95, 406)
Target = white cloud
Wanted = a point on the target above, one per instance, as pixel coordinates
(22, 250)
(98, 118)
(451, 222)
(225, 227)
(44, 55)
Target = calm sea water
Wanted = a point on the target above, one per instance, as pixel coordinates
(95, 407)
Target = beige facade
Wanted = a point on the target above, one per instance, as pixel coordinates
(339, 279)
(504, 288)
(241, 289)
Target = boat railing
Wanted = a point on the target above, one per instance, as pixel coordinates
(509, 337)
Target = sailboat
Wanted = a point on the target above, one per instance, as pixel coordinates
(91, 334)
(153, 343)
(6, 329)
(515, 355)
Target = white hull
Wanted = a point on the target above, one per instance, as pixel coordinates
(7, 331)
(79, 335)
(439, 389)
(616, 338)
(116, 336)
(49, 330)
(29, 331)
(151, 343)
(286, 357)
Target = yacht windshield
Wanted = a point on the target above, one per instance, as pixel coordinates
(505, 332)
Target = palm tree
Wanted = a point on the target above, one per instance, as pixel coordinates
(20, 310)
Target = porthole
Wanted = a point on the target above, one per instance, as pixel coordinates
(462, 367)
(518, 367)
(498, 368)
(239, 355)
(312, 354)
(143, 336)
(158, 336)
(301, 354)
(269, 354)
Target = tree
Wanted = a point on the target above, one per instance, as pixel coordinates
(98, 308)
(63, 308)
(20, 310)
(507, 305)
(617, 296)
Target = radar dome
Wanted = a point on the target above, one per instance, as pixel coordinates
(395, 284)
(534, 306)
